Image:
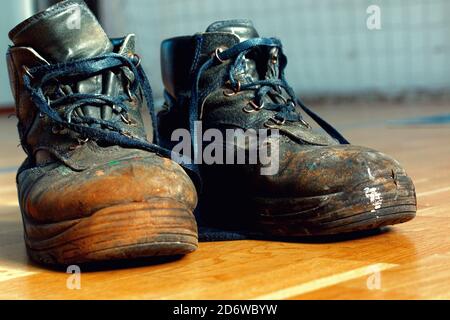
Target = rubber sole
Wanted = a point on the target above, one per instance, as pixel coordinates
(370, 205)
(157, 227)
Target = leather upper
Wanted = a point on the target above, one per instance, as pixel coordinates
(66, 176)
(311, 163)
(41, 139)
(71, 32)
(182, 56)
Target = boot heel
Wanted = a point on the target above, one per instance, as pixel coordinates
(141, 229)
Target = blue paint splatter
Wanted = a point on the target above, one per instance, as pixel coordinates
(8, 169)
(430, 120)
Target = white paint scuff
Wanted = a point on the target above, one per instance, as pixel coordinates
(374, 197)
(370, 174)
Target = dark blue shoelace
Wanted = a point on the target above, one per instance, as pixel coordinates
(36, 78)
(237, 54)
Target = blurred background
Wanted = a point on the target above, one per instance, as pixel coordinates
(332, 53)
(386, 88)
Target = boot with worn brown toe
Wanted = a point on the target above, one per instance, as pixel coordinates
(230, 78)
(92, 187)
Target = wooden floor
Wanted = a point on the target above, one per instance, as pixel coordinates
(409, 261)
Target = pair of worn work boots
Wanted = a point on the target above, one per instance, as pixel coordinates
(94, 188)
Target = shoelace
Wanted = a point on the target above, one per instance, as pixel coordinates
(237, 53)
(37, 77)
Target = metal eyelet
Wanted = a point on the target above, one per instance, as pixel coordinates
(306, 124)
(126, 119)
(254, 107)
(279, 122)
(270, 125)
(127, 134)
(274, 55)
(249, 110)
(56, 129)
(232, 92)
(238, 87)
(128, 91)
(276, 123)
(229, 93)
(274, 60)
(135, 55)
(80, 143)
(27, 71)
(218, 51)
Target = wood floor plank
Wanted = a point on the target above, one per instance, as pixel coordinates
(324, 282)
(422, 279)
(412, 258)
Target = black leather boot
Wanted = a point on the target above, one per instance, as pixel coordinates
(92, 187)
(229, 77)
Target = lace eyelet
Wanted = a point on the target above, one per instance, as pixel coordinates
(279, 122)
(254, 107)
(238, 87)
(80, 143)
(138, 57)
(306, 124)
(274, 55)
(127, 134)
(27, 71)
(276, 123)
(126, 119)
(270, 125)
(56, 129)
(248, 110)
(233, 91)
(229, 93)
(128, 92)
(218, 51)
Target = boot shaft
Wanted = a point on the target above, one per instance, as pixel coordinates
(181, 56)
(69, 33)
(246, 89)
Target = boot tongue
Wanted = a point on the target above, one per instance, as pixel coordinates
(243, 29)
(63, 32)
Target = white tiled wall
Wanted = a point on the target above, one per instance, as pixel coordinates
(329, 47)
(12, 13)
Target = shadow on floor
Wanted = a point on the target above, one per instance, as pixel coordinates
(13, 253)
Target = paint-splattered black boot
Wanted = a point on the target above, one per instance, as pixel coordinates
(230, 78)
(92, 188)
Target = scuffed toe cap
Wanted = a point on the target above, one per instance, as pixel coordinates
(62, 193)
(312, 171)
